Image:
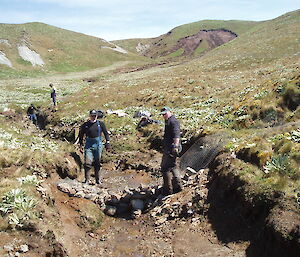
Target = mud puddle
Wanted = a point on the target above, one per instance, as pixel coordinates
(139, 238)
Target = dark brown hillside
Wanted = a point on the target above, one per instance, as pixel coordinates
(202, 36)
(205, 40)
(213, 38)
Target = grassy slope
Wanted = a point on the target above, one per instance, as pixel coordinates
(60, 49)
(168, 40)
(130, 44)
(268, 41)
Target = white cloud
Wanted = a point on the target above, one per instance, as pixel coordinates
(114, 19)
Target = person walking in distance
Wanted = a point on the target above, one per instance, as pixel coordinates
(93, 130)
(53, 94)
(171, 148)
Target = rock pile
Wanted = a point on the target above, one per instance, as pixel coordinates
(144, 199)
(190, 203)
(16, 250)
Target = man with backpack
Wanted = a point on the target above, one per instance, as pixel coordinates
(92, 130)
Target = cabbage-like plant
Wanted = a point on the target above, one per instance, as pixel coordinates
(18, 206)
(29, 179)
(278, 164)
(295, 135)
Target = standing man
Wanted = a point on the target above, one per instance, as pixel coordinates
(53, 94)
(93, 130)
(171, 148)
(31, 112)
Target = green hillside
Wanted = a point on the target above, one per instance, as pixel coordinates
(166, 42)
(60, 49)
(267, 41)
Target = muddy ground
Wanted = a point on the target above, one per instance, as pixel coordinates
(210, 217)
(217, 227)
(124, 236)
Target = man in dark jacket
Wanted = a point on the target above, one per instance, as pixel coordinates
(93, 130)
(171, 149)
(31, 112)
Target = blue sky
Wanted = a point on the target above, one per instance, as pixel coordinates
(120, 19)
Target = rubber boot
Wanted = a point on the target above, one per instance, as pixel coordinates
(167, 186)
(97, 176)
(87, 174)
(97, 167)
(176, 181)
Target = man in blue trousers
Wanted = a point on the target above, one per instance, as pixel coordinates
(93, 130)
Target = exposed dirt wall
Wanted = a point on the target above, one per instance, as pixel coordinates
(238, 212)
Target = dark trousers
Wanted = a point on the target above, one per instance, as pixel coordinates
(171, 175)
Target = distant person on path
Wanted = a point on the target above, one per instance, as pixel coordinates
(93, 130)
(53, 94)
(31, 112)
(171, 148)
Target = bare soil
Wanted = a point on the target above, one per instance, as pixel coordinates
(213, 38)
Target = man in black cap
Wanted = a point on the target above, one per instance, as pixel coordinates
(171, 149)
(93, 130)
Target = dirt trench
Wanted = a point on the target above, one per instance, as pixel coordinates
(224, 222)
(210, 217)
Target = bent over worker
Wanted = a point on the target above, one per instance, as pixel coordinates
(93, 130)
(31, 112)
(171, 148)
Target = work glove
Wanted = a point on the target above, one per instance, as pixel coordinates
(175, 151)
(108, 147)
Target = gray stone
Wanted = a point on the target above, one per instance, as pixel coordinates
(137, 204)
(126, 198)
(139, 195)
(110, 210)
(8, 248)
(88, 196)
(80, 194)
(24, 248)
(136, 213)
(123, 208)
